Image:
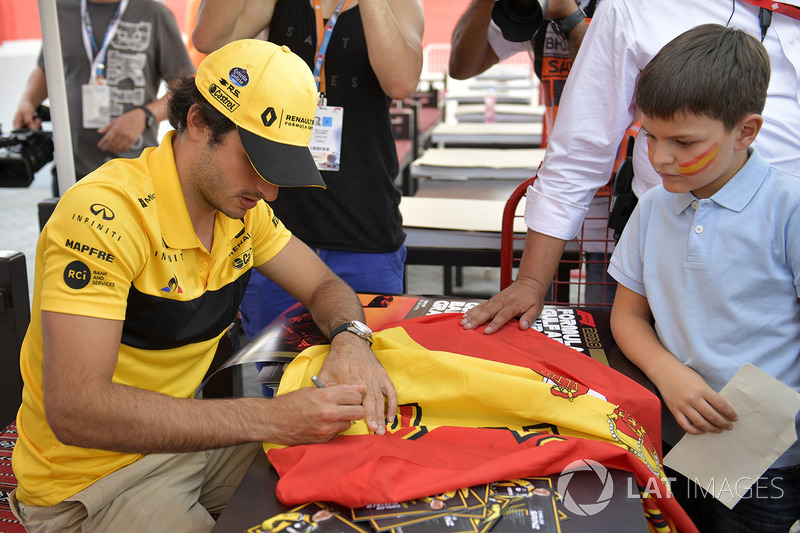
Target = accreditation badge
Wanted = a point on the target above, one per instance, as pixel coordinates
(96, 105)
(326, 137)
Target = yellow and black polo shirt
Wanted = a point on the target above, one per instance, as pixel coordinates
(120, 245)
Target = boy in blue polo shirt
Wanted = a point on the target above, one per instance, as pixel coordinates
(709, 264)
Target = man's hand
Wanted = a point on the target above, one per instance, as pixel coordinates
(25, 117)
(312, 416)
(122, 132)
(351, 361)
(523, 298)
(695, 405)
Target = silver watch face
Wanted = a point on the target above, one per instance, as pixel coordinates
(360, 329)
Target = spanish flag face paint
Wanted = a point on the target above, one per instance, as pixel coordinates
(699, 163)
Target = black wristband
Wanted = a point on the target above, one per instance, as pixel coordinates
(355, 327)
(150, 118)
(567, 24)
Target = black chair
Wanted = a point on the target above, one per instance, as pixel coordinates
(15, 315)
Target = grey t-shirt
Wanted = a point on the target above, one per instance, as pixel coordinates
(147, 48)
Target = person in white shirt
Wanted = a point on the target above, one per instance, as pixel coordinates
(598, 105)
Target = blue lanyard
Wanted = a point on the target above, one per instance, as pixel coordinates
(323, 39)
(97, 54)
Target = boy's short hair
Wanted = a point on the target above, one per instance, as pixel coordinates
(710, 70)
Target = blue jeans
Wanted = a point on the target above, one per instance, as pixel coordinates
(364, 272)
(596, 273)
(771, 505)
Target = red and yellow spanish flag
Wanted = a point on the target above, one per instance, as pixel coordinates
(479, 408)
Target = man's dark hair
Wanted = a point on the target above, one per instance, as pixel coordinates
(183, 95)
(710, 70)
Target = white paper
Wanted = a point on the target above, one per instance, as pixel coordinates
(726, 464)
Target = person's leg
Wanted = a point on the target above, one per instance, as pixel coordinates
(771, 505)
(597, 245)
(376, 273)
(600, 287)
(64, 517)
(224, 470)
(159, 493)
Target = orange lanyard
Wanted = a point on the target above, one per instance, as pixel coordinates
(324, 32)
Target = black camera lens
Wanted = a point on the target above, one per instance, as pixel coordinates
(519, 20)
(522, 10)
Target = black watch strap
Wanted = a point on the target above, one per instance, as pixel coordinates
(567, 24)
(355, 327)
(150, 118)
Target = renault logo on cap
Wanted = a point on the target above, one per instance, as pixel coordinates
(268, 116)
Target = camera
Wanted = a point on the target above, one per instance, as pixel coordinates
(519, 20)
(24, 152)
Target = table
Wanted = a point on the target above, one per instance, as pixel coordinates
(471, 96)
(455, 232)
(254, 500)
(503, 113)
(466, 163)
(489, 135)
(486, 189)
(457, 214)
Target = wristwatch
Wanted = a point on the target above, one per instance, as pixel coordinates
(150, 118)
(355, 327)
(567, 24)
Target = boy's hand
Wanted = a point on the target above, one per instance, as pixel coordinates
(696, 407)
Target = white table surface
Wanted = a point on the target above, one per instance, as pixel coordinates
(467, 163)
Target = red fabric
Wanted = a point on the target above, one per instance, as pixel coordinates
(414, 462)
(361, 469)
(8, 482)
(778, 7)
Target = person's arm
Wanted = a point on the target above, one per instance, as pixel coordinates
(559, 9)
(332, 302)
(393, 30)
(222, 21)
(85, 408)
(579, 159)
(524, 297)
(470, 51)
(695, 405)
(120, 134)
(35, 93)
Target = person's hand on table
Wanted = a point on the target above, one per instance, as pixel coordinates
(120, 134)
(523, 298)
(351, 361)
(312, 416)
(695, 405)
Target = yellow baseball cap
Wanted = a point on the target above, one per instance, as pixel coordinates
(270, 94)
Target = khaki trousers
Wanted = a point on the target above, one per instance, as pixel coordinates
(170, 493)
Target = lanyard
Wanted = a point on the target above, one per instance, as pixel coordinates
(323, 39)
(97, 56)
(777, 7)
